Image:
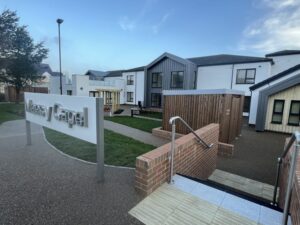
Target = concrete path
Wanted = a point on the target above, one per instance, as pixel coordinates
(38, 185)
(136, 134)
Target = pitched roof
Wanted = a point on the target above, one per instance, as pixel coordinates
(171, 56)
(42, 68)
(141, 68)
(284, 52)
(96, 73)
(224, 59)
(275, 77)
(56, 74)
(114, 73)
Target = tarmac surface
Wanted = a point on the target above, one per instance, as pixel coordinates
(255, 155)
(38, 185)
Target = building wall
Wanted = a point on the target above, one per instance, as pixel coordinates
(255, 96)
(137, 88)
(166, 66)
(190, 159)
(54, 84)
(285, 62)
(224, 76)
(287, 95)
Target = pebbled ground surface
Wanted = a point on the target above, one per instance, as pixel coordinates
(38, 185)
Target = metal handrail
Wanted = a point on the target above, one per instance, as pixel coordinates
(279, 163)
(296, 138)
(172, 122)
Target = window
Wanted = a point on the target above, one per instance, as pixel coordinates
(245, 76)
(130, 80)
(69, 92)
(294, 116)
(278, 111)
(129, 96)
(194, 81)
(94, 94)
(177, 79)
(156, 80)
(247, 101)
(156, 100)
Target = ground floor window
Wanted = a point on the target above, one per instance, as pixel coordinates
(69, 92)
(108, 98)
(277, 111)
(129, 96)
(294, 115)
(247, 101)
(94, 94)
(156, 100)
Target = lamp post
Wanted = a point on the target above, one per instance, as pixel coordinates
(59, 21)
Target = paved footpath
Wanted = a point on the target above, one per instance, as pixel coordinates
(136, 134)
(38, 185)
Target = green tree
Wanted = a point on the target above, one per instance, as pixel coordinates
(19, 55)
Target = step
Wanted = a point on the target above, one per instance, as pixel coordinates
(189, 202)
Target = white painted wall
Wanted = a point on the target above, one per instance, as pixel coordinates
(224, 76)
(285, 62)
(54, 83)
(119, 83)
(137, 88)
(255, 96)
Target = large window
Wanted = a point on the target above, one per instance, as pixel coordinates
(294, 116)
(130, 79)
(245, 76)
(278, 108)
(108, 98)
(156, 80)
(129, 96)
(177, 79)
(156, 100)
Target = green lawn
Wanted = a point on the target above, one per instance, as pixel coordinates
(138, 123)
(11, 111)
(156, 115)
(119, 150)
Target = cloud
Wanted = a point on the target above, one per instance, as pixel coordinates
(126, 24)
(157, 27)
(279, 29)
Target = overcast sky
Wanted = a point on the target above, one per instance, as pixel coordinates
(121, 34)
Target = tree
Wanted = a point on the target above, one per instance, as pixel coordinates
(19, 56)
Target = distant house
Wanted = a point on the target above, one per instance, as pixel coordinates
(96, 74)
(275, 101)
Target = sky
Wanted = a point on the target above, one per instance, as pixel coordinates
(122, 34)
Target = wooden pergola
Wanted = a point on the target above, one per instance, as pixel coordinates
(111, 97)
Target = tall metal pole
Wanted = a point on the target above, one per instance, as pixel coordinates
(59, 21)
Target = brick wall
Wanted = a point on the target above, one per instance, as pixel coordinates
(158, 132)
(191, 159)
(295, 199)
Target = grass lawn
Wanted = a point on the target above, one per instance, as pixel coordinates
(11, 111)
(157, 115)
(119, 150)
(138, 123)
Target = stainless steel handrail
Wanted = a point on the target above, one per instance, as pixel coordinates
(279, 162)
(296, 138)
(172, 122)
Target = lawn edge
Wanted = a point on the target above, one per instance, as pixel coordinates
(81, 160)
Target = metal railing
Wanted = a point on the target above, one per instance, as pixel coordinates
(200, 141)
(294, 139)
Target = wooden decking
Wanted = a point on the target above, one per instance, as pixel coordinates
(180, 204)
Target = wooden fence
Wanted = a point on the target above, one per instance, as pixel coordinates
(203, 109)
(11, 95)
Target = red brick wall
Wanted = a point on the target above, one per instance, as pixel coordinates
(191, 159)
(295, 199)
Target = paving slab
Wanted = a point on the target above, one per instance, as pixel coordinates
(38, 185)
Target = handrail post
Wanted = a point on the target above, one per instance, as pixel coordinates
(290, 180)
(277, 181)
(172, 151)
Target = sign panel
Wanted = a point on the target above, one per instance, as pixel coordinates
(72, 115)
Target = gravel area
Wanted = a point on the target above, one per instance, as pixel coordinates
(255, 155)
(38, 185)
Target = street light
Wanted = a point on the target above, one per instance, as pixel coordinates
(59, 21)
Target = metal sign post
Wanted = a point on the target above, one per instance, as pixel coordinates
(100, 139)
(28, 132)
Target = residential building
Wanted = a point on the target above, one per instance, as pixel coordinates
(96, 74)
